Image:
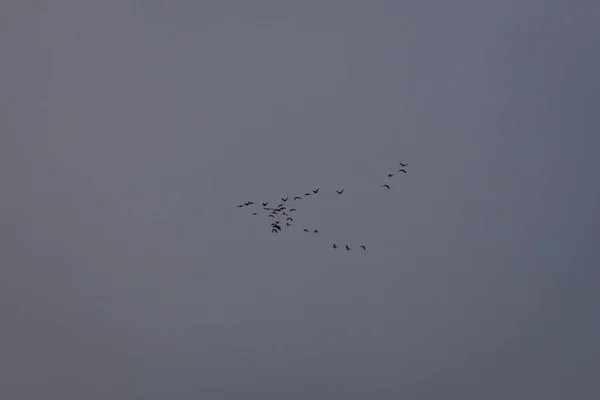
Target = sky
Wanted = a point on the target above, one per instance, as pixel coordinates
(131, 130)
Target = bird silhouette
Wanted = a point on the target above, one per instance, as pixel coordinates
(290, 219)
(334, 246)
(364, 247)
(254, 213)
(316, 231)
(284, 199)
(306, 230)
(307, 194)
(402, 170)
(271, 216)
(297, 198)
(315, 191)
(339, 191)
(404, 165)
(387, 186)
(292, 209)
(288, 224)
(265, 203)
(241, 205)
(347, 248)
(390, 175)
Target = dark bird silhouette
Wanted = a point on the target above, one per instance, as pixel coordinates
(288, 224)
(290, 219)
(241, 205)
(315, 191)
(402, 170)
(390, 175)
(364, 247)
(297, 198)
(292, 209)
(271, 216)
(306, 230)
(284, 199)
(280, 205)
(387, 186)
(250, 202)
(334, 246)
(265, 204)
(307, 194)
(254, 213)
(316, 231)
(347, 248)
(404, 165)
(339, 191)
(284, 213)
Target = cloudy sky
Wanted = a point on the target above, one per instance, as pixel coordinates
(130, 130)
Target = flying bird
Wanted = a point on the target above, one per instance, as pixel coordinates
(306, 230)
(315, 191)
(404, 165)
(339, 191)
(402, 170)
(271, 216)
(316, 231)
(265, 203)
(288, 224)
(347, 248)
(254, 213)
(241, 205)
(390, 175)
(307, 194)
(297, 198)
(284, 199)
(334, 246)
(364, 247)
(292, 209)
(290, 219)
(387, 186)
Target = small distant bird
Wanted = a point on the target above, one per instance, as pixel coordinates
(280, 205)
(250, 202)
(402, 170)
(307, 194)
(265, 203)
(288, 224)
(315, 191)
(339, 191)
(284, 199)
(306, 230)
(387, 186)
(316, 231)
(292, 209)
(271, 216)
(241, 205)
(404, 165)
(254, 213)
(297, 198)
(334, 246)
(390, 175)
(290, 219)
(364, 247)
(347, 248)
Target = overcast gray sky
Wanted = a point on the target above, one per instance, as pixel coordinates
(130, 130)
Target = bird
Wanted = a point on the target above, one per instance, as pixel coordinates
(315, 191)
(292, 209)
(339, 191)
(290, 219)
(404, 165)
(306, 230)
(265, 203)
(288, 224)
(307, 194)
(297, 198)
(316, 231)
(390, 175)
(284, 199)
(402, 170)
(250, 202)
(364, 247)
(347, 248)
(387, 186)
(271, 216)
(334, 246)
(274, 230)
(241, 205)
(254, 213)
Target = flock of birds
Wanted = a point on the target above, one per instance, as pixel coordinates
(281, 210)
